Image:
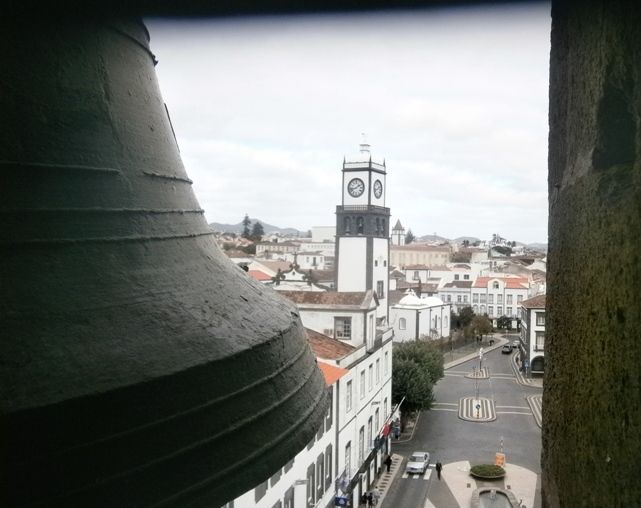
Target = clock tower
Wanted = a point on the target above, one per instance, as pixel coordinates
(362, 228)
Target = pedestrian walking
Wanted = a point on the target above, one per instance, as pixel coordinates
(388, 462)
(370, 498)
(439, 466)
(375, 496)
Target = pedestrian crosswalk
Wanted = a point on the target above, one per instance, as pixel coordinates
(483, 373)
(424, 476)
(536, 404)
(477, 410)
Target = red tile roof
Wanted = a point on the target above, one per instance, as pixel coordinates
(331, 373)
(327, 347)
(259, 276)
(416, 267)
(510, 282)
(346, 298)
(536, 302)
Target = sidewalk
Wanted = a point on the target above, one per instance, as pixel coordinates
(473, 352)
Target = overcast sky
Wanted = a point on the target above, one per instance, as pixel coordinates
(456, 102)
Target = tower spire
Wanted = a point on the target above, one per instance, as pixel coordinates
(364, 146)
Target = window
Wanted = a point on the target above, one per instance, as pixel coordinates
(311, 485)
(466, 277)
(499, 310)
(359, 225)
(540, 341)
(475, 298)
(495, 285)
(482, 309)
(456, 276)
(361, 445)
(370, 376)
(376, 262)
(490, 298)
(376, 421)
(519, 298)
(490, 310)
(260, 491)
(385, 408)
(475, 308)
(348, 396)
(328, 467)
(465, 299)
(483, 298)
(343, 328)
(402, 323)
(320, 476)
(449, 298)
(540, 319)
(362, 386)
(386, 364)
(378, 371)
(369, 433)
(509, 299)
(509, 311)
(348, 458)
(275, 477)
(347, 223)
(330, 409)
(289, 465)
(459, 298)
(499, 298)
(380, 289)
(288, 500)
(415, 275)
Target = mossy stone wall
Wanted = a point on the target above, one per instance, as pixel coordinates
(592, 396)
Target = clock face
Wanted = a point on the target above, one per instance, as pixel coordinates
(378, 188)
(355, 187)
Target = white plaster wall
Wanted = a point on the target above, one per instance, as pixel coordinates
(323, 233)
(351, 264)
(323, 320)
(381, 272)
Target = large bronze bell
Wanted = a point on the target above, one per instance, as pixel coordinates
(138, 366)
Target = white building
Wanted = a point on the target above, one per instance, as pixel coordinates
(365, 393)
(499, 296)
(362, 229)
(533, 334)
(307, 479)
(414, 318)
(419, 254)
(458, 293)
(398, 234)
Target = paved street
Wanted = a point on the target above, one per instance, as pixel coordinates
(453, 435)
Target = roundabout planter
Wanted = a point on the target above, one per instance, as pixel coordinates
(487, 472)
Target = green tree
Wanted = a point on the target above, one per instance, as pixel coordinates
(506, 251)
(481, 325)
(409, 237)
(504, 322)
(465, 316)
(461, 257)
(426, 354)
(416, 367)
(257, 232)
(246, 222)
(411, 381)
(466, 243)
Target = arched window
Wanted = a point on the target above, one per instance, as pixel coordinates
(347, 224)
(378, 226)
(359, 225)
(482, 309)
(476, 309)
(402, 323)
(495, 285)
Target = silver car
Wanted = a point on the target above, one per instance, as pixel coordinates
(418, 463)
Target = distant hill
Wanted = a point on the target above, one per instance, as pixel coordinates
(268, 228)
(431, 238)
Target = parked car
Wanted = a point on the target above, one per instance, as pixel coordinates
(418, 463)
(507, 349)
(515, 344)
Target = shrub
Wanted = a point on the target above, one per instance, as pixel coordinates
(487, 471)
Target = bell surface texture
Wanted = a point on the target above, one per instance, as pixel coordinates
(138, 365)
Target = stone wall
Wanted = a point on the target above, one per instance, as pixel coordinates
(591, 400)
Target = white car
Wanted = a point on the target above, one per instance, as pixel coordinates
(418, 463)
